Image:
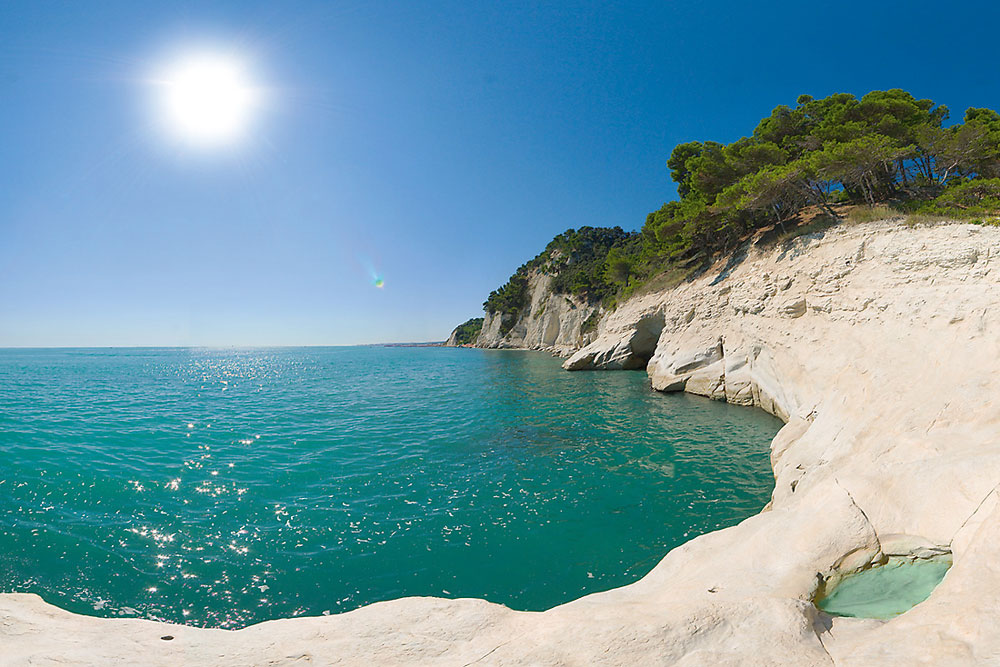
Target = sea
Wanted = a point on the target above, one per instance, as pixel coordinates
(225, 487)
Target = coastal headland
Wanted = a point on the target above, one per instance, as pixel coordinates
(877, 344)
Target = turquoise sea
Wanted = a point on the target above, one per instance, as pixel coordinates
(226, 487)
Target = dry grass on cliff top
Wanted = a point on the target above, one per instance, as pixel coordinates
(811, 220)
(814, 219)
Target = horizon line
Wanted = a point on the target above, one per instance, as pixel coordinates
(210, 347)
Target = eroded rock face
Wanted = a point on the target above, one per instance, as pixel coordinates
(879, 345)
(627, 347)
(872, 344)
(553, 322)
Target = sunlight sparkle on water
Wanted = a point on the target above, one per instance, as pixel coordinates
(344, 476)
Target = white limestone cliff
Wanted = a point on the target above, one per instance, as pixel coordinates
(879, 345)
(552, 322)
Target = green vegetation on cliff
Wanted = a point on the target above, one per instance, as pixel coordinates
(576, 260)
(467, 332)
(808, 161)
(886, 146)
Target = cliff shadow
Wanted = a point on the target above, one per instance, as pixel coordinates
(734, 260)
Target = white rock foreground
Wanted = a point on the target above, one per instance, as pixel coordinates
(879, 345)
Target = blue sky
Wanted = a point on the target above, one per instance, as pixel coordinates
(440, 143)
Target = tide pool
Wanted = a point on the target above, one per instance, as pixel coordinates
(886, 591)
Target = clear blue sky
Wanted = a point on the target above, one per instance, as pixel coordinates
(442, 142)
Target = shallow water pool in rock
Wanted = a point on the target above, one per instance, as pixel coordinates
(887, 590)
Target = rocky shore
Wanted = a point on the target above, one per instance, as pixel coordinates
(877, 344)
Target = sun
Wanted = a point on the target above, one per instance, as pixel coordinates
(208, 99)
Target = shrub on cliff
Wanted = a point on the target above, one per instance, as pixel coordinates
(576, 261)
(467, 332)
(511, 297)
(975, 198)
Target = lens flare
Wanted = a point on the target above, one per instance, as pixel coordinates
(369, 267)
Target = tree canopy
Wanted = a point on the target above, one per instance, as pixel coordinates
(576, 261)
(887, 146)
(467, 332)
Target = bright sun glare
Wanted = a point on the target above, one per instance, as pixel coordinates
(208, 99)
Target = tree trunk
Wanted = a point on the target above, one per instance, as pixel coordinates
(868, 189)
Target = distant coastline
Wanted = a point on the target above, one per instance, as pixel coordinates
(439, 343)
